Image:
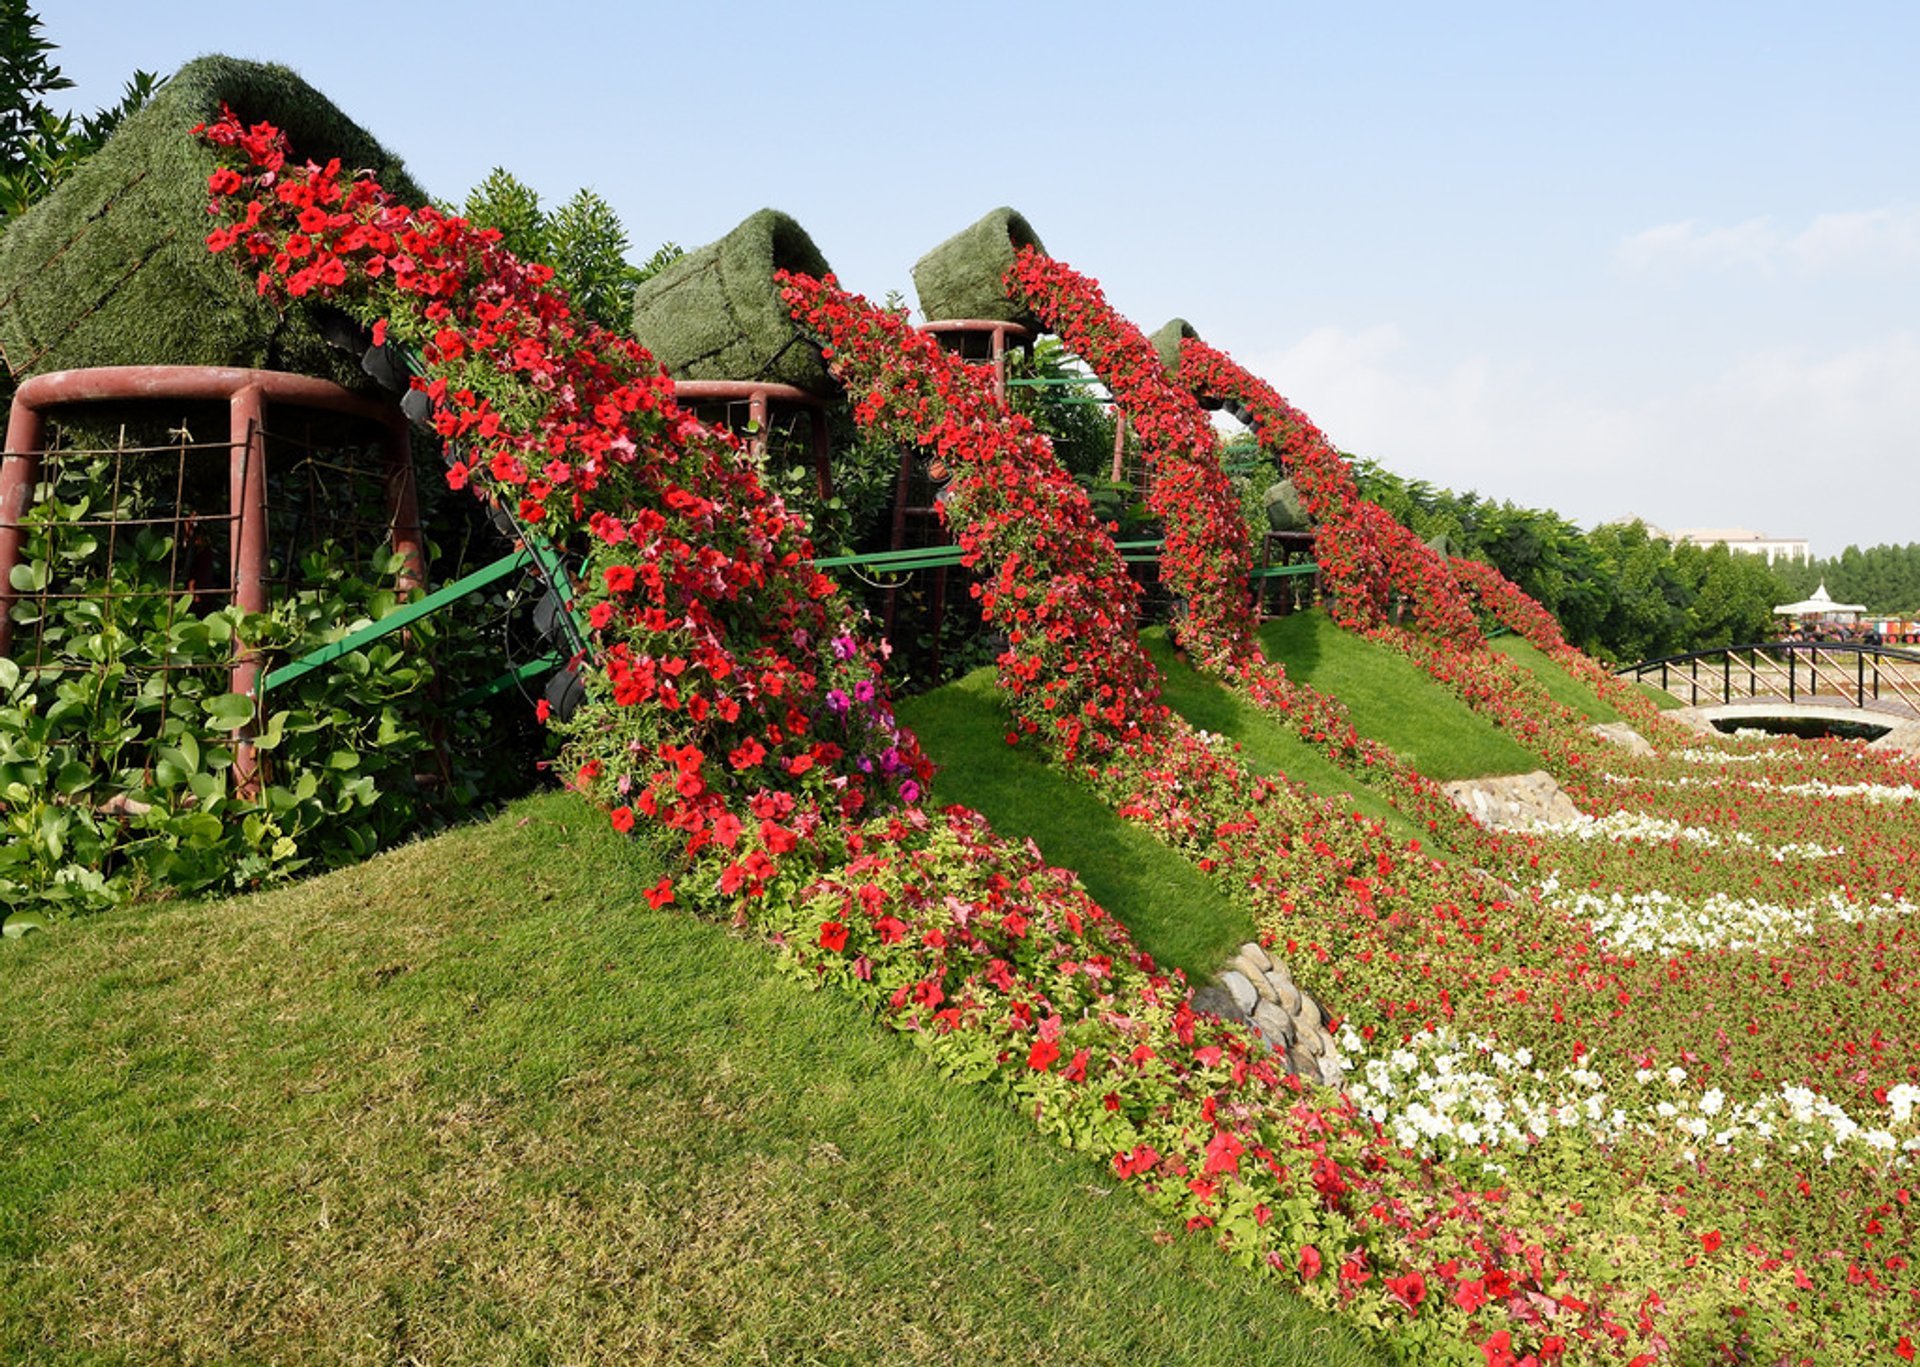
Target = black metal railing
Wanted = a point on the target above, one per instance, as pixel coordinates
(1786, 671)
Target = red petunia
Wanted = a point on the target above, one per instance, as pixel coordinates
(1041, 1056)
(833, 936)
(1310, 1263)
(619, 579)
(622, 818)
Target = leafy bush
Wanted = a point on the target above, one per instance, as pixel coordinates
(118, 732)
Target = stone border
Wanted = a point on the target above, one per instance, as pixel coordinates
(1258, 991)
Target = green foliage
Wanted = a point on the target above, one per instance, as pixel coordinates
(39, 148)
(119, 735)
(1068, 407)
(583, 240)
(1618, 592)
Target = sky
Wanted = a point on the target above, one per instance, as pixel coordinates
(1659, 260)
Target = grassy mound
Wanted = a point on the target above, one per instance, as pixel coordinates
(113, 268)
(474, 1102)
(963, 276)
(715, 313)
(1393, 701)
(1267, 745)
(1170, 907)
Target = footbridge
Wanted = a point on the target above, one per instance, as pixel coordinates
(1834, 681)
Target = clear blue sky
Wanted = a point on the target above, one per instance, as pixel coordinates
(1650, 258)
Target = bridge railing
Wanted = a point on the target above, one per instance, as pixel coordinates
(1844, 672)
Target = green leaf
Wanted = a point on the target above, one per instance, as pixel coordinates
(23, 923)
(228, 711)
(9, 675)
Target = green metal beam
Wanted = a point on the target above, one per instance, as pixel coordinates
(514, 677)
(398, 620)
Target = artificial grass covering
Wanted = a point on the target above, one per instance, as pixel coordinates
(716, 314)
(964, 276)
(113, 268)
(474, 1101)
(1171, 909)
(1166, 342)
(1393, 701)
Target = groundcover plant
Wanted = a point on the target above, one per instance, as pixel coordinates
(735, 710)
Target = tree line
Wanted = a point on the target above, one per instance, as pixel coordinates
(1623, 594)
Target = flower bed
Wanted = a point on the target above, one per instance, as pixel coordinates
(766, 751)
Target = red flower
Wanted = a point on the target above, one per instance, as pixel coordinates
(1309, 1262)
(619, 579)
(1410, 1290)
(1711, 1241)
(660, 894)
(622, 819)
(1041, 1056)
(833, 936)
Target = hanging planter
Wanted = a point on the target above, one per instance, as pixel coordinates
(715, 314)
(964, 277)
(1285, 510)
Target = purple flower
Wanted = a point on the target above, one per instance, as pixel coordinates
(909, 791)
(844, 647)
(838, 702)
(864, 690)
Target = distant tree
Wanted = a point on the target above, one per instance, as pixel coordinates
(39, 148)
(583, 240)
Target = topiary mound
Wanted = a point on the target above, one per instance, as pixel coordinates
(113, 268)
(1167, 342)
(964, 277)
(715, 313)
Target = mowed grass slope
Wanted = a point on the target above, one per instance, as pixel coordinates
(1172, 909)
(1393, 701)
(475, 1102)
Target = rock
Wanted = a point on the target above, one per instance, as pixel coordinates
(1513, 802)
(1621, 734)
(1300, 1061)
(1255, 973)
(1257, 955)
(1241, 990)
(1308, 1017)
(1274, 1026)
(1330, 1073)
(1287, 994)
(1214, 1001)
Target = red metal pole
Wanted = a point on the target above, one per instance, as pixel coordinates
(19, 472)
(248, 541)
(403, 509)
(822, 453)
(757, 419)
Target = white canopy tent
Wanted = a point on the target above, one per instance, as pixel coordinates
(1821, 606)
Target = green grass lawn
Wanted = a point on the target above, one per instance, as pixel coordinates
(1561, 686)
(1268, 745)
(1393, 701)
(1564, 688)
(1173, 911)
(474, 1102)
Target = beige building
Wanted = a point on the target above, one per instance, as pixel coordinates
(1744, 541)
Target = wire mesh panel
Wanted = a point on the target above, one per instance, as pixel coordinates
(123, 572)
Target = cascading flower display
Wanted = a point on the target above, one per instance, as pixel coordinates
(729, 686)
